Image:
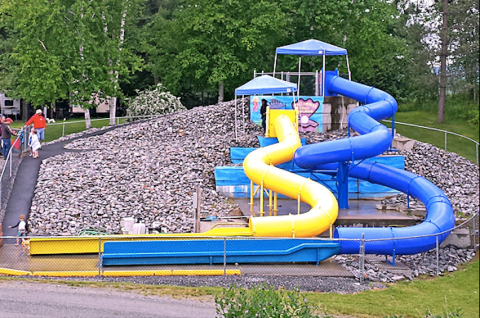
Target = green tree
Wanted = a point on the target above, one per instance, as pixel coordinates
(416, 26)
(464, 54)
(367, 29)
(67, 49)
(222, 42)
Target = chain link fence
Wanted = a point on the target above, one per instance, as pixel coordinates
(137, 255)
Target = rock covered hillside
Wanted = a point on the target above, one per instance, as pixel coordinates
(151, 169)
(148, 170)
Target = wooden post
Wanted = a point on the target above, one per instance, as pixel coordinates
(197, 212)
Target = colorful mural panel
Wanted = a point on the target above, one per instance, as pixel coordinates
(310, 110)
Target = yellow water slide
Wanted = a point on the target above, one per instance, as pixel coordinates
(259, 166)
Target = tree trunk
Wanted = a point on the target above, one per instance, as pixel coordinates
(443, 66)
(112, 103)
(220, 92)
(156, 80)
(24, 109)
(113, 100)
(88, 122)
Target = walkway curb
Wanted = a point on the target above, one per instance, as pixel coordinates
(213, 272)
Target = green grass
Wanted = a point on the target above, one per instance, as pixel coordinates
(461, 146)
(414, 299)
(459, 290)
(64, 128)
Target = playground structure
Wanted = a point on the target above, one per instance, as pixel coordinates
(341, 158)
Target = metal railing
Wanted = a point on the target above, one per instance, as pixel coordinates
(10, 166)
(117, 121)
(443, 131)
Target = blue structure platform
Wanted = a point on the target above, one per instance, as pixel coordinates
(212, 251)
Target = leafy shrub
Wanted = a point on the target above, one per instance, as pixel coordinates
(157, 101)
(262, 301)
(472, 117)
(452, 313)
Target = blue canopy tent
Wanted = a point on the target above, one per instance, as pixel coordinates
(311, 48)
(264, 84)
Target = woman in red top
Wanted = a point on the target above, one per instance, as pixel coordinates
(39, 124)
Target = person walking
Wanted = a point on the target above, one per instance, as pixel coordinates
(7, 133)
(22, 228)
(39, 124)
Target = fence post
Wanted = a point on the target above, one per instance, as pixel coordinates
(362, 258)
(476, 147)
(10, 157)
(437, 250)
(445, 141)
(63, 131)
(224, 256)
(99, 256)
(473, 228)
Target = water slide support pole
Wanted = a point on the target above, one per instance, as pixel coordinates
(298, 203)
(342, 185)
(251, 196)
(275, 208)
(393, 129)
(270, 200)
(261, 198)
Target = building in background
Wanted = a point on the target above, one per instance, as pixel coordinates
(9, 107)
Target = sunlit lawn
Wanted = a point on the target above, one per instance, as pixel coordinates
(71, 126)
(461, 146)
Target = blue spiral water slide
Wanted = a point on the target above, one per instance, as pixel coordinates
(375, 139)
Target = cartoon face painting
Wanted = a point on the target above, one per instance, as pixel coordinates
(306, 108)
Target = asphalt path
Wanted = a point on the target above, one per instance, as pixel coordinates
(31, 299)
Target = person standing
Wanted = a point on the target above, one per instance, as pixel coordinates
(7, 133)
(34, 144)
(39, 124)
(263, 112)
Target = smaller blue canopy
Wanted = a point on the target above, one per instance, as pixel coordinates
(311, 48)
(266, 84)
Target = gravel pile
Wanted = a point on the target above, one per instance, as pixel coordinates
(148, 170)
(407, 266)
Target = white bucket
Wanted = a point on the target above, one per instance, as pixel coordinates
(128, 222)
(139, 228)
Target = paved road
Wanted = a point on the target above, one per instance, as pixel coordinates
(20, 299)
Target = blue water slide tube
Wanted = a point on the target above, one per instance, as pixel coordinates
(374, 140)
(388, 241)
